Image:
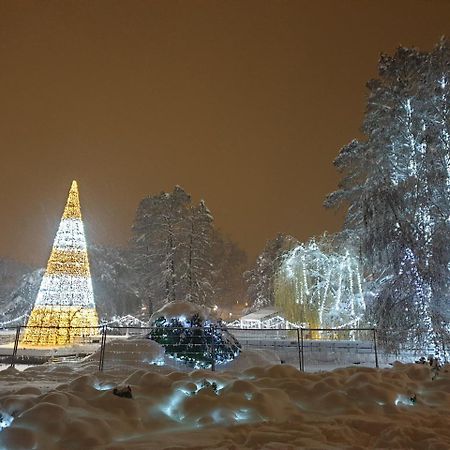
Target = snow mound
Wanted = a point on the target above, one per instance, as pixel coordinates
(261, 407)
(253, 358)
(131, 352)
(176, 310)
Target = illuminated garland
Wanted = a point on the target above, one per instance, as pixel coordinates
(319, 287)
(194, 341)
(64, 310)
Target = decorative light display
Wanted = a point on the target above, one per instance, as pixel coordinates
(320, 287)
(273, 322)
(64, 309)
(194, 341)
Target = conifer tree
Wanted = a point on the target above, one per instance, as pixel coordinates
(199, 266)
(396, 185)
(261, 277)
(172, 248)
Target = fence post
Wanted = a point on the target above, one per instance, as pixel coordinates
(102, 349)
(375, 347)
(301, 347)
(104, 346)
(16, 344)
(299, 351)
(213, 350)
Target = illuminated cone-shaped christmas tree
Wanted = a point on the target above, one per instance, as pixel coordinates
(64, 309)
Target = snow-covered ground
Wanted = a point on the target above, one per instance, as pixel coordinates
(254, 404)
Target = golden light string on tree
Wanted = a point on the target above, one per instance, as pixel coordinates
(64, 310)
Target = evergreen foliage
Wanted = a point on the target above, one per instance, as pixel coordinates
(195, 341)
(230, 262)
(396, 185)
(114, 281)
(178, 255)
(261, 277)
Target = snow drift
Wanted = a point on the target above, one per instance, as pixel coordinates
(72, 407)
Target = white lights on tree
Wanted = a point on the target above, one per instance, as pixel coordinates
(396, 187)
(64, 309)
(320, 286)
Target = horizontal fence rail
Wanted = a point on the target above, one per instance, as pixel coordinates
(306, 348)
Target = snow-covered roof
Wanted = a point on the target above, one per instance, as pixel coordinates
(262, 314)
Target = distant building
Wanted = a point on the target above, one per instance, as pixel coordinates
(269, 317)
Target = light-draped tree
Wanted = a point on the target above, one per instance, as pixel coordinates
(396, 186)
(320, 284)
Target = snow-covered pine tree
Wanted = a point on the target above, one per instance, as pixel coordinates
(158, 231)
(229, 262)
(396, 184)
(199, 265)
(261, 277)
(172, 249)
(114, 281)
(17, 302)
(10, 273)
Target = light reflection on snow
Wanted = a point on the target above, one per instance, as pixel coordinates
(190, 402)
(173, 406)
(155, 362)
(403, 400)
(208, 382)
(5, 420)
(242, 414)
(170, 409)
(102, 387)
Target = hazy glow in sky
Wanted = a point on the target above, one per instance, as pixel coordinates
(242, 103)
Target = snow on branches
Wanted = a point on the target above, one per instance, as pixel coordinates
(396, 183)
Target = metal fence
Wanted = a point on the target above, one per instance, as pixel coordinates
(314, 348)
(309, 349)
(15, 350)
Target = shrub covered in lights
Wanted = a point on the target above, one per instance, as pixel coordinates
(190, 334)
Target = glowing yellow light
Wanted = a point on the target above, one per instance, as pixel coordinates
(60, 326)
(68, 263)
(72, 209)
(64, 310)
